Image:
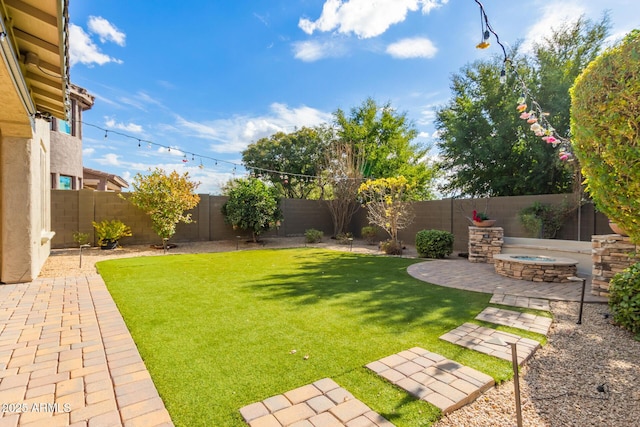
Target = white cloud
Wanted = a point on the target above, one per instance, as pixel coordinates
(423, 135)
(84, 51)
(174, 151)
(128, 127)
(551, 17)
(312, 50)
(234, 134)
(365, 18)
(105, 30)
(110, 159)
(416, 47)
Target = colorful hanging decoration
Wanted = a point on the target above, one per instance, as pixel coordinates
(534, 116)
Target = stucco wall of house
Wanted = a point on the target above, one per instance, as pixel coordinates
(26, 204)
(66, 156)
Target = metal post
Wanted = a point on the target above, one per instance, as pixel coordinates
(86, 245)
(516, 382)
(584, 285)
(496, 340)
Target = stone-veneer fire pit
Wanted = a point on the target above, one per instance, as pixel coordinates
(535, 268)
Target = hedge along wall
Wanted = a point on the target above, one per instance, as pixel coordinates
(74, 210)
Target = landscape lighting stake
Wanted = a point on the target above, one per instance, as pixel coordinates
(86, 245)
(516, 374)
(584, 284)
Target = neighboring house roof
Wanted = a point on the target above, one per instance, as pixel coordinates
(103, 181)
(34, 59)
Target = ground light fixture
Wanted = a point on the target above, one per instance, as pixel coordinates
(516, 375)
(584, 285)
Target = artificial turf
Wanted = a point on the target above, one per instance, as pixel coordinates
(217, 331)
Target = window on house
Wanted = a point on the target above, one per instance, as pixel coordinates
(64, 127)
(65, 182)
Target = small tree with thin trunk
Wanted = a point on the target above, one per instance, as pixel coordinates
(165, 198)
(343, 171)
(386, 200)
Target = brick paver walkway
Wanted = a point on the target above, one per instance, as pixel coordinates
(67, 358)
(462, 274)
(430, 377)
(323, 403)
(526, 321)
(518, 301)
(477, 338)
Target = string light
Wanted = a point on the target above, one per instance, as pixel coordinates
(536, 116)
(284, 175)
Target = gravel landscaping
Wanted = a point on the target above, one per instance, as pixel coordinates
(586, 375)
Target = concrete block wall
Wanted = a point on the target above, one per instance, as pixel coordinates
(74, 210)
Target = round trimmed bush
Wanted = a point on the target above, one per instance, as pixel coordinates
(624, 298)
(313, 236)
(605, 103)
(434, 243)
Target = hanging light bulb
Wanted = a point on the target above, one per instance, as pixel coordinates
(503, 76)
(184, 159)
(106, 134)
(139, 143)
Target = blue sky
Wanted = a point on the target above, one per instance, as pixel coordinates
(208, 77)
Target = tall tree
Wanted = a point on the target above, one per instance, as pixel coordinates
(384, 138)
(486, 150)
(290, 160)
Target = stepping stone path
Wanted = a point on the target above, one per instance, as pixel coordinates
(475, 337)
(323, 403)
(430, 377)
(526, 321)
(519, 301)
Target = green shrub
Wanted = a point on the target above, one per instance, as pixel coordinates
(434, 243)
(369, 233)
(344, 238)
(110, 231)
(391, 247)
(624, 298)
(604, 123)
(313, 236)
(81, 238)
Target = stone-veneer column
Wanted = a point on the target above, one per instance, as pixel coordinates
(611, 253)
(484, 242)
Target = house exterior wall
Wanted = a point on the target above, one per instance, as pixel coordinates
(26, 205)
(66, 158)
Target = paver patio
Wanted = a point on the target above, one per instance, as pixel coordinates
(67, 358)
(461, 274)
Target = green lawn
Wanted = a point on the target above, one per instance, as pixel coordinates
(216, 330)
